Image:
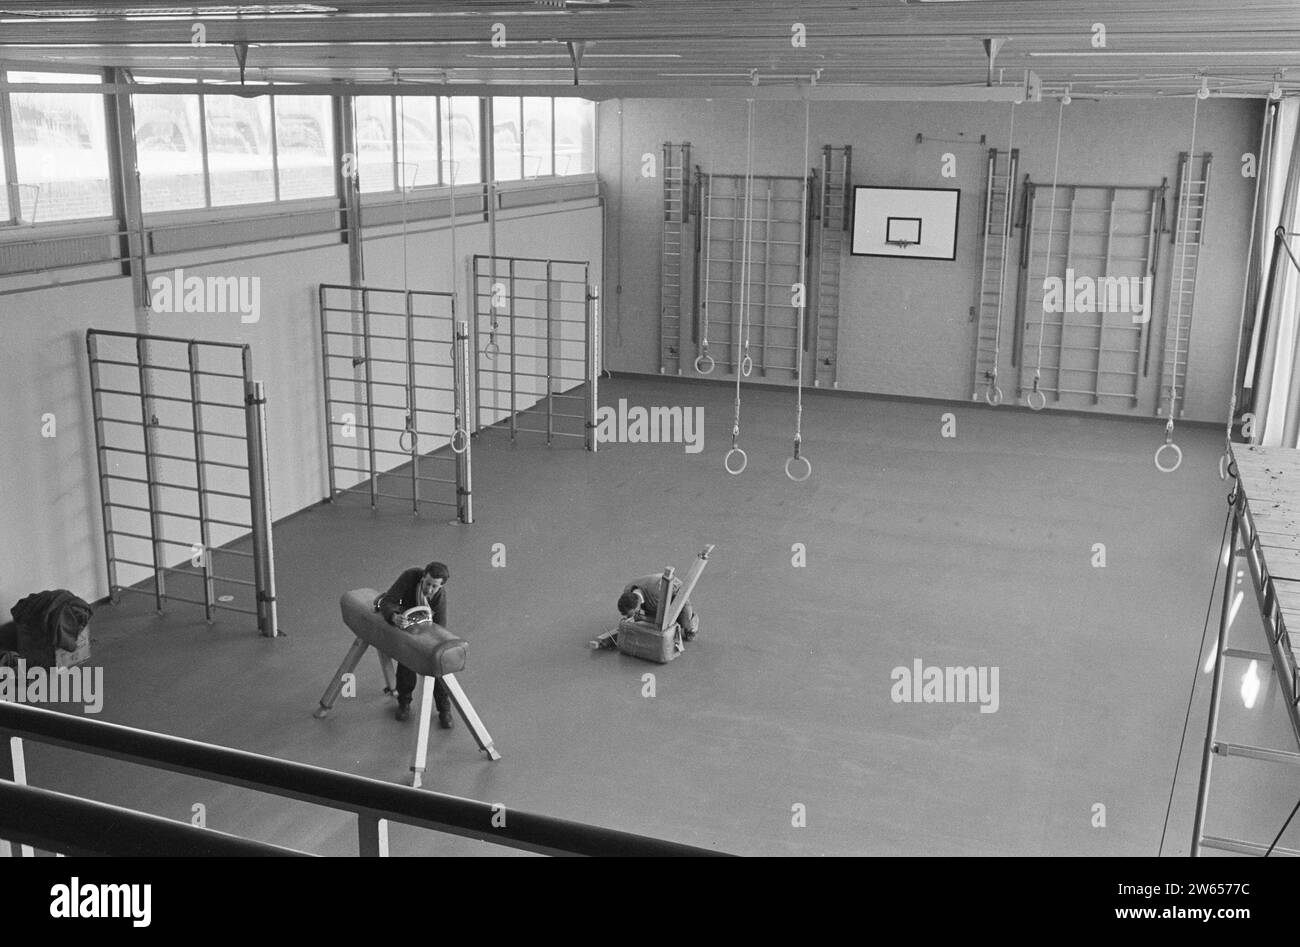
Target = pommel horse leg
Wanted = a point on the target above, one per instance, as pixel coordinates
(467, 713)
(350, 662)
(672, 608)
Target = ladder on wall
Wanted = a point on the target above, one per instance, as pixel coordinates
(999, 199)
(676, 161)
(835, 176)
(1189, 231)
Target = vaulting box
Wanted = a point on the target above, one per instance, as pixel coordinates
(425, 648)
(645, 640)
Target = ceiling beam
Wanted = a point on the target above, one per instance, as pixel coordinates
(786, 92)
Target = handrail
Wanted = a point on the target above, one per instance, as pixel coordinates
(368, 798)
(69, 825)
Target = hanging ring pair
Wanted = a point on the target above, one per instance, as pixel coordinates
(401, 439)
(1169, 445)
(746, 366)
(797, 458)
(704, 359)
(993, 394)
(492, 350)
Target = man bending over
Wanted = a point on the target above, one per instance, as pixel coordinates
(640, 602)
(416, 587)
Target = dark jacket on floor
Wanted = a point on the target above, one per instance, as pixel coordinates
(47, 621)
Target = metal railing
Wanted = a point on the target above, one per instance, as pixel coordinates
(396, 384)
(31, 816)
(536, 338)
(180, 443)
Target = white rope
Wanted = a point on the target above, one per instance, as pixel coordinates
(401, 107)
(1184, 196)
(744, 297)
(451, 160)
(406, 281)
(1047, 263)
(803, 305)
(747, 266)
(703, 356)
(460, 432)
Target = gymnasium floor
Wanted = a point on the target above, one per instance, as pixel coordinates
(973, 550)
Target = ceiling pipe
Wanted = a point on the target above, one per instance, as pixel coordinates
(790, 91)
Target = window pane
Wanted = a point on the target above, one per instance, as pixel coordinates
(375, 156)
(239, 149)
(575, 136)
(418, 148)
(4, 190)
(507, 139)
(462, 153)
(537, 138)
(304, 143)
(169, 151)
(61, 150)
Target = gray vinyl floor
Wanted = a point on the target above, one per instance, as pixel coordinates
(970, 551)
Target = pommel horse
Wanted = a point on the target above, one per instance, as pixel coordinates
(426, 648)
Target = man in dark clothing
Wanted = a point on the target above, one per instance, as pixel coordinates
(416, 587)
(643, 595)
(640, 600)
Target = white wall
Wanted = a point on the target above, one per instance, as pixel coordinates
(50, 517)
(904, 324)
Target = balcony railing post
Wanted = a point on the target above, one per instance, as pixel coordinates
(372, 836)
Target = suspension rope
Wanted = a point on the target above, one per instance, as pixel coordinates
(1184, 197)
(460, 430)
(409, 430)
(704, 358)
(1036, 399)
(802, 310)
(744, 302)
(993, 395)
(1265, 142)
(747, 266)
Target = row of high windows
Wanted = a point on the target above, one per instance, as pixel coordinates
(207, 149)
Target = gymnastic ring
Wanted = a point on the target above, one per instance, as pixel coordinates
(1178, 457)
(807, 471)
(701, 358)
(1042, 400)
(744, 461)
(463, 434)
(993, 395)
(1227, 467)
(491, 351)
(746, 366)
(402, 446)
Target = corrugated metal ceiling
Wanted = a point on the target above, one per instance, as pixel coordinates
(1238, 46)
